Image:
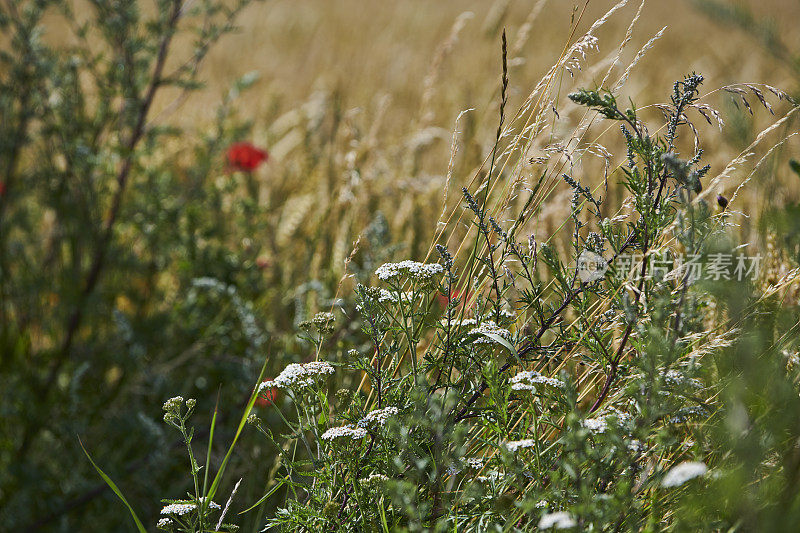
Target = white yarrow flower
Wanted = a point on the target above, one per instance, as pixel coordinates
(475, 462)
(680, 474)
(514, 445)
(178, 508)
(348, 431)
(298, 376)
(413, 270)
(164, 523)
(596, 425)
(491, 328)
(377, 417)
(527, 381)
(558, 520)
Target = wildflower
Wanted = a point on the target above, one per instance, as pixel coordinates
(374, 480)
(596, 425)
(173, 404)
(245, 157)
(377, 417)
(475, 462)
(387, 297)
(558, 520)
(211, 504)
(680, 474)
(349, 431)
(635, 446)
(164, 523)
(514, 445)
(464, 297)
(267, 393)
(491, 328)
(529, 379)
(722, 201)
(466, 323)
(179, 509)
(298, 376)
(412, 270)
(675, 378)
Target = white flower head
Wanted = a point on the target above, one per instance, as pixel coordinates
(182, 508)
(596, 425)
(179, 509)
(387, 297)
(683, 472)
(476, 462)
(173, 404)
(676, 378)
(557, 520)
(344, 432)
(211, 504)
(377, 417)
(164, 523)
(298, 376)
(411, 270)
(527, 381)
(515, 445)
(265, 386)
(491, 328)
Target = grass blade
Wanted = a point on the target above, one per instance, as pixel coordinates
(116, 490)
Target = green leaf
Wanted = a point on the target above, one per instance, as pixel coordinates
(116, 490)
(210, 441)
(501, 340)
(267, 495)
(218, 478)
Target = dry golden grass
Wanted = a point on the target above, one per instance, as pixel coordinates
(397, 78)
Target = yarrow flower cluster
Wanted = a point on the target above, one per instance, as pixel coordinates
(374, 480)
(377, 417)
(182, 508)
(683, 472)
(527, 381)
(173, 404)
(557, 520)
(164, 523)
(595, 425)
(179, 509)
(515, 445)
(675, 378)
(349, 431)
(475, 462)
(491, 328)
(298, 376)
(411, 270)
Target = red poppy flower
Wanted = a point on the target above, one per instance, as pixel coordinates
(245, 157)
(442, 298)
(267, 397)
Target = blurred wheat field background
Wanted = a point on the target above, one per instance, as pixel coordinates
(375, 115)
(381, 86)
